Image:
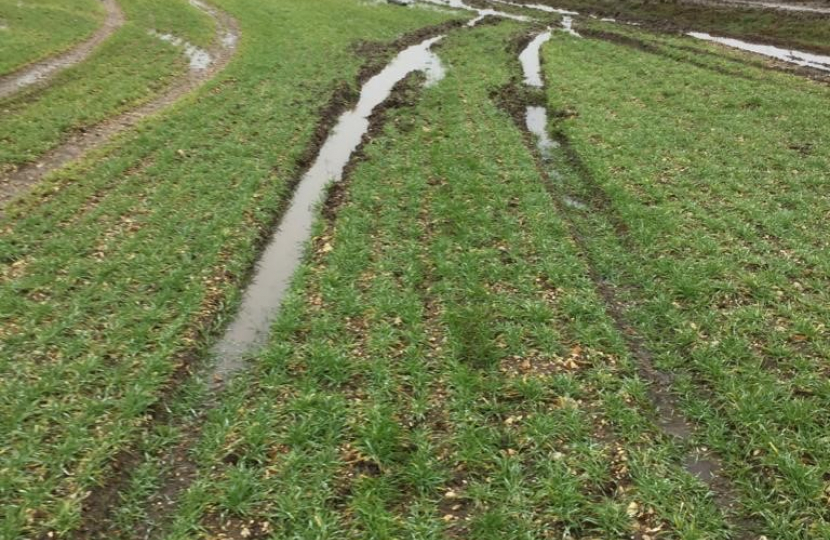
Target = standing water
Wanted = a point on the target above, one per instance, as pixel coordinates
(536, 118)
(799, 58)
(482, 13)
(531, 64)
(284, 253)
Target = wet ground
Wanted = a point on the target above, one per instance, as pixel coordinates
(284, 253)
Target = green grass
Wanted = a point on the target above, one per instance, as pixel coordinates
(444, 367)
(722, 183)
(96, 311)
(125, 71)
(31, 31)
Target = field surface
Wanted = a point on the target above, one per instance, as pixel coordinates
(474, 269)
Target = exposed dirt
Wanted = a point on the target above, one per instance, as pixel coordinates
(97, 514)
(17, 182)
(378, 53)
(40, 72)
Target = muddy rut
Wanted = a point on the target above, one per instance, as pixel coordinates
(334, 155)
(42, 71)
(532, 119)
(17, 182)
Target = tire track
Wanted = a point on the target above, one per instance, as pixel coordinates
(21, 180)
(702, 463)
(42, 71)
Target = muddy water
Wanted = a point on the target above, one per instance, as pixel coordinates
(199, 58)
(799, 58)
(531, 64)
(482, 13)
(44, 70)
(261, 302)
(568, 26)
(537, 7)
(536, 120)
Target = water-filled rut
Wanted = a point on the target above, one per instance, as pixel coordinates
(702, 464)
(42, 71)
(284, 253)
(203, 66)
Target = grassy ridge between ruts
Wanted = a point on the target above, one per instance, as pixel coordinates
(128, 69)
(32, 31)
(444, 367)
(113, 269)
(721, 183)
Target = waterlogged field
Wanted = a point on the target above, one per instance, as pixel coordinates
(571, 285)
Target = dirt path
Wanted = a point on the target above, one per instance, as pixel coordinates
(40, 72)
(17, 182)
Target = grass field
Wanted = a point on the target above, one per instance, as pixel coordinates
(127, 70)
(86, 351)
(467, 348)
(33, 30)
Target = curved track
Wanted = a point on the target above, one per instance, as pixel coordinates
(21, 180)
(42, 71)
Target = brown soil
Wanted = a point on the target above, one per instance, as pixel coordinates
(19, 181)
(40, 72)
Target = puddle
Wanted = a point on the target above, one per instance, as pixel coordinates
(536, 119)
(531, 64)
(786, 7)
(17, 182)
(537, 7)
(482, 13)
(283, 255)
(229, 40)
(43, 70)
(791, 56)
(576, 204)
(199, 58)
(568, 26)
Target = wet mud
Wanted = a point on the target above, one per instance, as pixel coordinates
(482, 12)
(702, 464)
(791, 56)
(17, 182)
(284, 254)
(198, 58)
(40, 72)
(97, 515)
